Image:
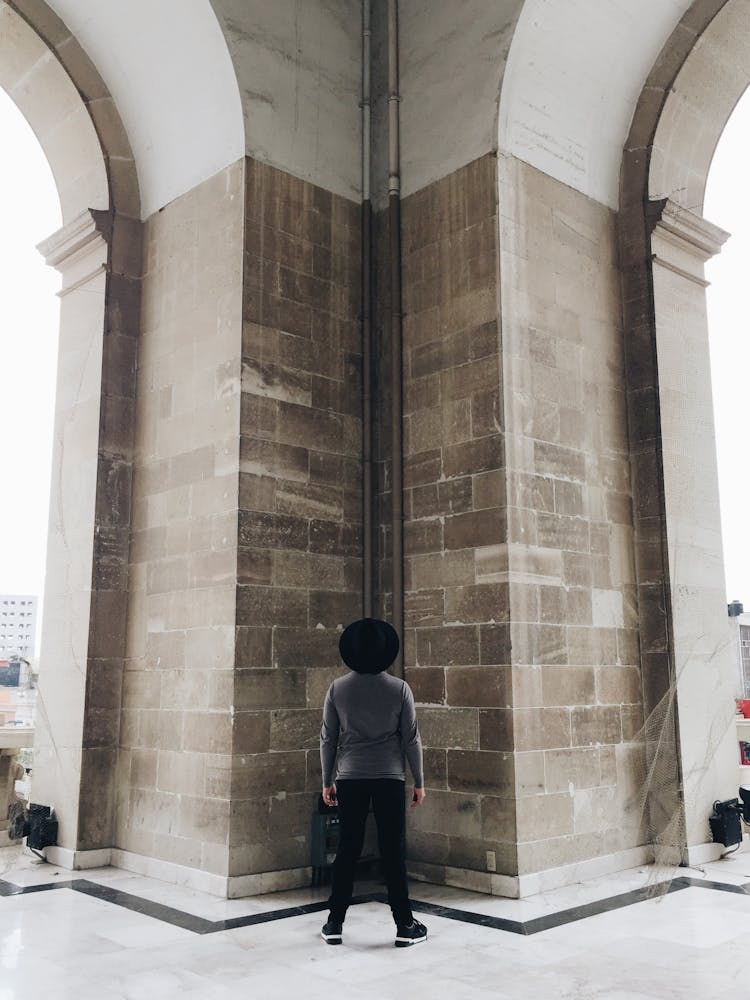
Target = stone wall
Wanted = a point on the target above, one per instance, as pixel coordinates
(300, 500)
(580, 769)
(176, 738)
(457, 654)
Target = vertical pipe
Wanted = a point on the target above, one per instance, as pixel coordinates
(367, 422)
(394, 220)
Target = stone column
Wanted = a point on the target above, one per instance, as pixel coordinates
(86, 578)
(703, 681)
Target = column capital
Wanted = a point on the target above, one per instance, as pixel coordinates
(683, 241)
(79, 250)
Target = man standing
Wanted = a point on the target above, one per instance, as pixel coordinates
(369, 730)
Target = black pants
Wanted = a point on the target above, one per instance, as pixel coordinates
(387, 796)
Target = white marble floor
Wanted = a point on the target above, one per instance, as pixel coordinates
(62, 944)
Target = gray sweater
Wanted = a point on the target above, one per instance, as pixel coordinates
(370, 719)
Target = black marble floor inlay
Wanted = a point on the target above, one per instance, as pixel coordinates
(202, 925)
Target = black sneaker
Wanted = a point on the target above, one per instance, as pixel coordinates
(409, 934)
(331, 932)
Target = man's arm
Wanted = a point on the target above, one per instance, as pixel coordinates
(329, 741)
(412, 743)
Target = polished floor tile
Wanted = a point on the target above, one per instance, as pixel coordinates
(688, 943)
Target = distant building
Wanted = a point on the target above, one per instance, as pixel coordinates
(740, 619)
(17, 625)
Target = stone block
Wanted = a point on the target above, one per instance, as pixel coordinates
(569, 685)
(207, 732)
(486, 413)
(596, 724)
(181, 773)
(295, 729)
(268, 773)
(555, 460)
(253, 647)
(435, 763)
(481, 772)
(449, 814)
(447, 646)
(251, 732)
(203, 819)
(266, 606)
(479, 687)
(423, 536)
(308, 648)
(262, 530)
(487, 602)
(570, 769)
(496, 729)
(530, 773)
(488, 489)
(422, 467)
(547, 815)
(143, 765)
(556, 532)
(475, 528)
(498, 819)
(268, 689)
(539, 644)
(541, 728)
(271, 459)
(161, 730)
(632, 722)
(592, 646)
(618, 685)
(451, 569)
(491, 564)
(449, 728)
(470, 458)
(427, 685)
(494, 644)
(423, 608)
(333, 608)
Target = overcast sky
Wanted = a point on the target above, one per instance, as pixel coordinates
(30, 212)
(728, 206)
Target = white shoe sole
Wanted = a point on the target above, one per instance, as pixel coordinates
(331, 938)
(408, 942)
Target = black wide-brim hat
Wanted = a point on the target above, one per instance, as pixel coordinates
(369, 646)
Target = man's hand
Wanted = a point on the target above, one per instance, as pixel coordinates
(329, 796)
(417, 797)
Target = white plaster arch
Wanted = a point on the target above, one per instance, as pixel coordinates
(168, 70)
(566, 108)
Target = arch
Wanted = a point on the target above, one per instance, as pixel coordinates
(57, 88)
(664, 243)
(171, 79)
(567, 111)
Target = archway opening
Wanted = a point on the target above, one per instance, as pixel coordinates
(29, 327)
(727, 205)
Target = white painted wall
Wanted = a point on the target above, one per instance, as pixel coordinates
(167, 67)
(575, 71)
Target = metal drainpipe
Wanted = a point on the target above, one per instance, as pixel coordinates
(394, 220)
(367, 423)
